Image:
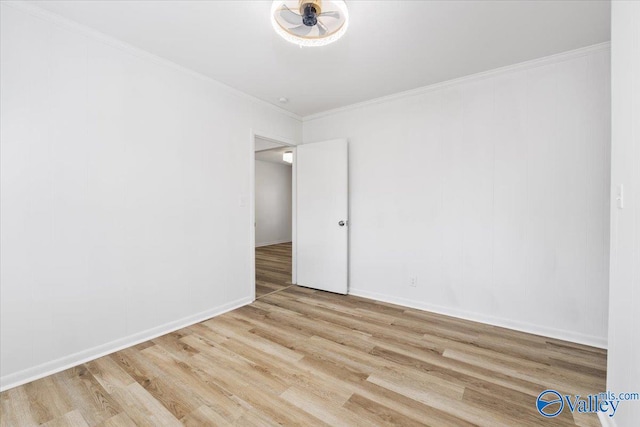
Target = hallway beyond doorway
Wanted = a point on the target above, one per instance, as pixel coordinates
(273, 268)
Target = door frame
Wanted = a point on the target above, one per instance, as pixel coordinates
(252, 204)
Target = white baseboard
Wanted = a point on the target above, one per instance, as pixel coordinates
(594, 341)
(606, 420)
(275, 242)
(66, 362)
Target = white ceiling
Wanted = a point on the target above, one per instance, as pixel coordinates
(273, 155)
(391, 46)
(262, 144)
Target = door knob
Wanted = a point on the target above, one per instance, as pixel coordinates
(341, 223)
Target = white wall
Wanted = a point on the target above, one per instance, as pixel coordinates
(273, 203)
(623, 371)
(493, 190)
(125, 186)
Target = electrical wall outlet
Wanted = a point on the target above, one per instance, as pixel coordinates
(413, 281)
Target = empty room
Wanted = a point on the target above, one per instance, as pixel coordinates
(320, 213)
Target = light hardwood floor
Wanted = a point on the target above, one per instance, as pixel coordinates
(305, 357)
(273, 268)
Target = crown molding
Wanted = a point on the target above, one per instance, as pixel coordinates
(113, 42)
(551, 59)
(126, 47)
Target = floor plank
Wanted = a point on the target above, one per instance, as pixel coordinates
(297, 356)
(273, 268)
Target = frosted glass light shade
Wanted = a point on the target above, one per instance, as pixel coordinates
(332, 21)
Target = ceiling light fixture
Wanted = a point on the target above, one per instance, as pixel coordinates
(287, 156)
(310, 22)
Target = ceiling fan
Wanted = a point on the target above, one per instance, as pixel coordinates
(310, 22)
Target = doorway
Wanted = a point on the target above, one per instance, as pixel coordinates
(273, 215)
(319, 247)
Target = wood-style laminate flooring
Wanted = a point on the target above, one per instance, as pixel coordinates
(303, 357)
(273, 268)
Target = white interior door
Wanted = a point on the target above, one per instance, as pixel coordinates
(323, 208)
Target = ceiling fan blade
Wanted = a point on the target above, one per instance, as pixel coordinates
(322, 28)
(290, 16)
(300, 30)
(331, 14)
